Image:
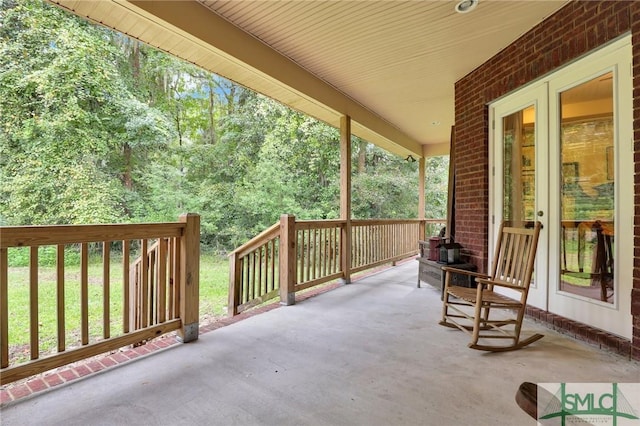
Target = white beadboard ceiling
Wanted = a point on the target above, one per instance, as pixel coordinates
(390, 65)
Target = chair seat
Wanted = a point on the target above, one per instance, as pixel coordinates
(470, 295)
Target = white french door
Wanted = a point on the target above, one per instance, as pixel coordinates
(519, 190)
(561, 153)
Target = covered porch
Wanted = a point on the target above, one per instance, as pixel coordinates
(370, 352)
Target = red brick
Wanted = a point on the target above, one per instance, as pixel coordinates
(53, 379)
(624, 348)
(608, 341)
(20, 391)
(37, 385)
(635, 301)
(68, 375)
(5, 396)
(108, 361)
(119, 357)
(635, 353)
(164, 343)
(131, 354)
(82, 370)
(94, 366)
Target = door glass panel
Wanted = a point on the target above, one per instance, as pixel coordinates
(587, 189)
(519, 165)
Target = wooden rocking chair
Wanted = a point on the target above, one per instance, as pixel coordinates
(469, 309)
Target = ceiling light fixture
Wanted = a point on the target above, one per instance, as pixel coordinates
(465, 6)
(410, 159)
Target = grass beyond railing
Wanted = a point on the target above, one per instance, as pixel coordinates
(311, 252)
(158, 295)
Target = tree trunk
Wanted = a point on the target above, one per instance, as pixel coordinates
(362, 156)
(127, 180)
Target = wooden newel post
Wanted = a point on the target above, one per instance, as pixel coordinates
(189, 278)
(235, 275)
(288, 259)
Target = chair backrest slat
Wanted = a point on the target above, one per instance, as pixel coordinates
(515, 253)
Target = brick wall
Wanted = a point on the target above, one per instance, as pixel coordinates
(576, 29)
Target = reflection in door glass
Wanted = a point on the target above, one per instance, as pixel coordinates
(587, 189)
(519, 165)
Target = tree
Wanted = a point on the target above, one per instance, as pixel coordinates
(64, 111)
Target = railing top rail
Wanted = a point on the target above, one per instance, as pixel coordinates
(315, 224)
(435, 220)
(266, 235)
(361, 222)
(25, 236)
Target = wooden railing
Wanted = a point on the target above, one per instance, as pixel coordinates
(293, 255)
(152, 290)
(159, 291)
(382, 241)
(253, 270)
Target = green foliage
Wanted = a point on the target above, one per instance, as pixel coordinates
(437, 187)
(98, 128)
(47, 255)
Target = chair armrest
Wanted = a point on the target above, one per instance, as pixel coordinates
(499, 284)
(464, 272)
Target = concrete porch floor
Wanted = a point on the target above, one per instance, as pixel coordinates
(368, 353)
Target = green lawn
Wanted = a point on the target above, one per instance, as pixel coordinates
(214, 276)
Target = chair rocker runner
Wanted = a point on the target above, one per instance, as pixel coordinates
(473, 309)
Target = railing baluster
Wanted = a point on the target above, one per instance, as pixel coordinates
(261, 256)
(364, 236)
(4, 308)
(338, 247)
(151, 294)
(314, 252)
(310, 254)
(162, 280)
(330, 251)
(177, 270)
(361, 245)
(273, 265)
(254, 256)
(171, 276)
(84, 293)
(106, 284)
(245, 280)
(134, 277)
(60, 297)
(33, 302)
(325, 251)
(126, 249)
(144, 284)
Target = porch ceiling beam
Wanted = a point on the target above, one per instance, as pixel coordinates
(253, 60)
